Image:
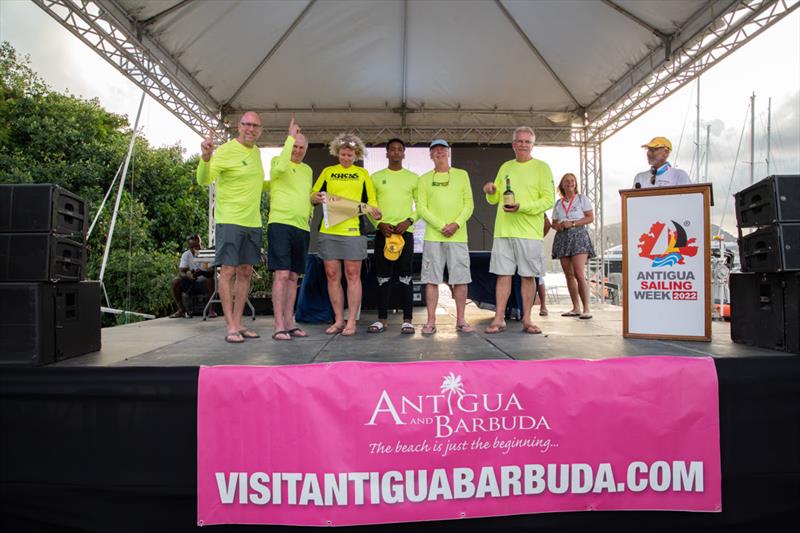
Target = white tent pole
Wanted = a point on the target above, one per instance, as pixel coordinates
(103, 203)
(119, 191)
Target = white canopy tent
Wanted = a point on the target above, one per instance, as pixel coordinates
(468, 70)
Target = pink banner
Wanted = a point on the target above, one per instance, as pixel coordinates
(367, 443)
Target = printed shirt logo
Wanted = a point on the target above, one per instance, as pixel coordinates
(678, 246)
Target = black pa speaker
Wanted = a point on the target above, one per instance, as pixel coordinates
(764, 310)
(41, 323)
(773, 248)
(40, 257)
(41, 208)
(771, 200)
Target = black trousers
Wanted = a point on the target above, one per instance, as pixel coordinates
(390, 272)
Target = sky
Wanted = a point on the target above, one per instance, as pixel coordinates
(768, 66)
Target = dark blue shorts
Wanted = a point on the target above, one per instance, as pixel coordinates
(287, 247)
(237, 245)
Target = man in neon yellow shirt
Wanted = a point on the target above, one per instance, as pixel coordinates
(445, 203)
(519, 226)
(236, 168)
(287, 229)
(396, 193)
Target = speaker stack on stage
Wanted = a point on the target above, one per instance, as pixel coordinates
(47, 312)
(764, 297)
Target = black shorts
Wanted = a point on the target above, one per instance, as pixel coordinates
(287, 247)
(403, 267)
(237, 245)
(194, 286)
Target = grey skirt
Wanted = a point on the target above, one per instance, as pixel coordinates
(571, 242)
(340, 247)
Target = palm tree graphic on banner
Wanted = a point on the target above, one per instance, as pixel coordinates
(452, 384)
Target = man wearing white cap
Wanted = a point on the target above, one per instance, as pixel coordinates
(661, 173)
(444, 201)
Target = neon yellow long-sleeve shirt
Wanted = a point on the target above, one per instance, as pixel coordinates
(353, 183)
(445, 197)
(289, 189)
(532, 184)
(239, 175)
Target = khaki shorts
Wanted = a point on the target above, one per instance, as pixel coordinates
(511, 255)
(435, 255)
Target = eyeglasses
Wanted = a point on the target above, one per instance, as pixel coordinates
(250, 125)
(440, 183)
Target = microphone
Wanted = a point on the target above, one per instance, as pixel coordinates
(638, 185)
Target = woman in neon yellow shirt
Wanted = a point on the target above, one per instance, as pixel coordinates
(344, 242)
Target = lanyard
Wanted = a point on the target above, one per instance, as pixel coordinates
(567, 208)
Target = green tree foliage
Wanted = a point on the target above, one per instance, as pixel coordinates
(48, 137)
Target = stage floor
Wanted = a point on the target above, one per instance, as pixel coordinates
(193, 342)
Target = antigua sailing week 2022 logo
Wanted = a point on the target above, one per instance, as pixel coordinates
(666, 251)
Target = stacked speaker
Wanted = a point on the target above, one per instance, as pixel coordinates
(764, 297)
(47, 312)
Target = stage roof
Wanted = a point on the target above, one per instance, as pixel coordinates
(471, 70)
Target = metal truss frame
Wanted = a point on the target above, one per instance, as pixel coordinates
(732, 29)
(592, 185)
(124, 43)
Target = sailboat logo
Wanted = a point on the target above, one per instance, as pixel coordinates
(676, 245)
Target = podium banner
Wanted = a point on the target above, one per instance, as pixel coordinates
(666, 263)
(366, 443)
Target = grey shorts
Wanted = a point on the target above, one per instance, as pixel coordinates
(435, 255)
(340, 247)
(237, 245)
(511, 255)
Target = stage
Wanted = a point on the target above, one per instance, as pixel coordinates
(108, 441)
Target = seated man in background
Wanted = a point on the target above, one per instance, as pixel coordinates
(191, 280)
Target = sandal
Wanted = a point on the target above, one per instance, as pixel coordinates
(282, 335)
(297, 332)
(531, 329)
(428, 329)
(247, 334)
(180, 314)
(234, 338)
(348, 332)
(494, 328)
(407, 328)
(212, 314)
(465, 328)
(334, 330)
(376, 327)
(571, 313)
(543, 312)
(585, 316)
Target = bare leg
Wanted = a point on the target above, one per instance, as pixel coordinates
(460, 296)
(175, 289)
(352, 270)
(289, 300)
(572, 285)
(579, 269)
(243, 275)
(227, 274)
(541, 291)
(431, 301)
(502, 290)
(528, 292)
(333, 271)
(280, 280)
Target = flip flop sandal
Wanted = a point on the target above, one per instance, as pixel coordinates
(376, 327)
(350, 334)
(585, 316)
(275, 336)
(297, 332)
(334, 330)
(428, 330)
(407, 328)
(247, 334)
(465, 328)
(570, 313)
(491, 330)
(543, 313)
(180, 314)
(531, 330)
(234, 336)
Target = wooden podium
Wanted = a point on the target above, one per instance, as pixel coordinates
(666, 262)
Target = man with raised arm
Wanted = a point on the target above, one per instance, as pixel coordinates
(236, 168)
